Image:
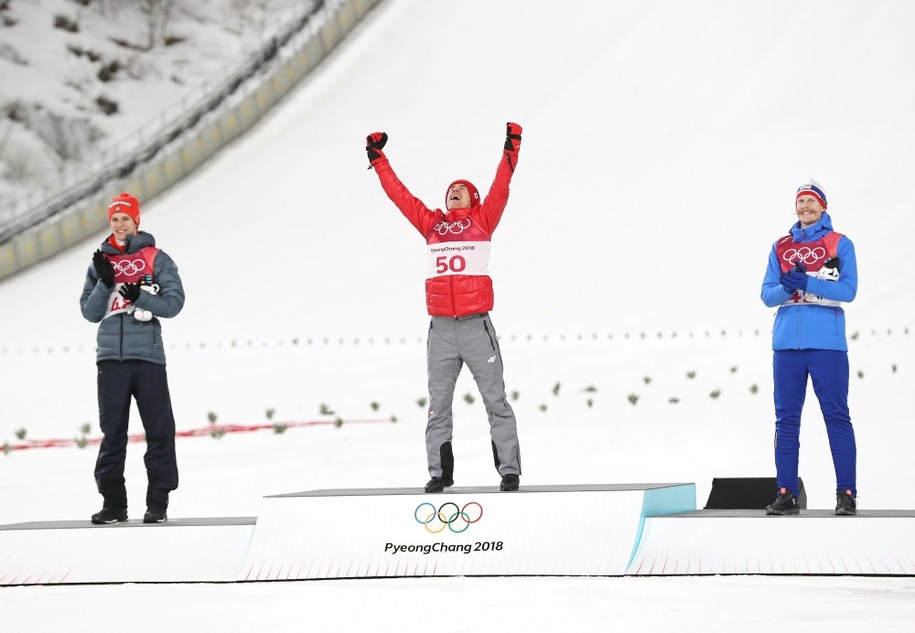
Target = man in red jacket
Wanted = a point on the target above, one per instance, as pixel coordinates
(459, 297)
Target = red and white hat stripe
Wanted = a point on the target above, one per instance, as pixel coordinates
(810, 189)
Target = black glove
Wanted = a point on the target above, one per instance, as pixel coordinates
(512, 137)
(795, 279)
(104, 268)
(130, 291)
(373, 144)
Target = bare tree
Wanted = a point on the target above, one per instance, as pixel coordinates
(157, 14)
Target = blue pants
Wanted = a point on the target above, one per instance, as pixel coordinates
(829, 371)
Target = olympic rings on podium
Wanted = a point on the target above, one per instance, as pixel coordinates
(448, 515)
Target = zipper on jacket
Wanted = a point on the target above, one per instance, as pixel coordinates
(121, 337)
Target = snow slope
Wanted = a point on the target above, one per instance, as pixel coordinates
(663, 143)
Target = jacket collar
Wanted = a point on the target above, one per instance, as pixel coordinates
(134, 243)
(812, 233)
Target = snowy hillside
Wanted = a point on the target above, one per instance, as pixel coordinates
(663, 143)
(82, 79)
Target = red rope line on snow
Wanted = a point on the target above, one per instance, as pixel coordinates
(199, 432)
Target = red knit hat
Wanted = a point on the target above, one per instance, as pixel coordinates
(474, 194)
(125, 203)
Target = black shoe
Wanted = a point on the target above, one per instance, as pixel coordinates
(846, 504)
(109, 515)
(437, 484)
(510, 483)
(785, 503)
(154, 515)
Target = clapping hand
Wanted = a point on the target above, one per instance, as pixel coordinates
(130, 291)
(104, 268)
(795, 279)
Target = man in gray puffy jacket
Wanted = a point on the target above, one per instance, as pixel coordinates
(130, 285)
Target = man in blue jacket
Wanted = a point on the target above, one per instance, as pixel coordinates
(811, 273)
(130, 285)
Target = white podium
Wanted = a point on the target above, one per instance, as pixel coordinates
(586, 530)
(589, 530)
(77, 552)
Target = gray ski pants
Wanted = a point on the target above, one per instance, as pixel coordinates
(451, 344)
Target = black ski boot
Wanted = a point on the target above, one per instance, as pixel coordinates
(114, 507)
(438, 484)
(785, 503)
(510, 483)
(109, 515)
(846, 504)
(155, 515)
(156, 503)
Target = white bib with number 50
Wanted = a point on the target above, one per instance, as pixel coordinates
(457, 258)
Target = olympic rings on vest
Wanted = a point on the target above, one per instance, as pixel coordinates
(448, 515)
(805, 254)
(454, 228)
(128, 266)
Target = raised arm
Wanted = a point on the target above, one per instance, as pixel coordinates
(97, 288)
(497, 198)
(419, 215)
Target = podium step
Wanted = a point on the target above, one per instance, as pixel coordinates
(815, 542)
(77, 552)
(585, 530)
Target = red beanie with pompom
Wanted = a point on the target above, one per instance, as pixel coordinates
(125, 203)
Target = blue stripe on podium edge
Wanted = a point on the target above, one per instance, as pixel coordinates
(658, 501)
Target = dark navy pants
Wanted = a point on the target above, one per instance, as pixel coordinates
(828, 369)
(147, 383)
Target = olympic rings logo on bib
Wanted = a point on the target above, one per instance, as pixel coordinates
(128, 267)
(455, 228)
(448, 515)
(805, 254)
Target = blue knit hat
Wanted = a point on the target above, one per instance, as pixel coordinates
(812, 189)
